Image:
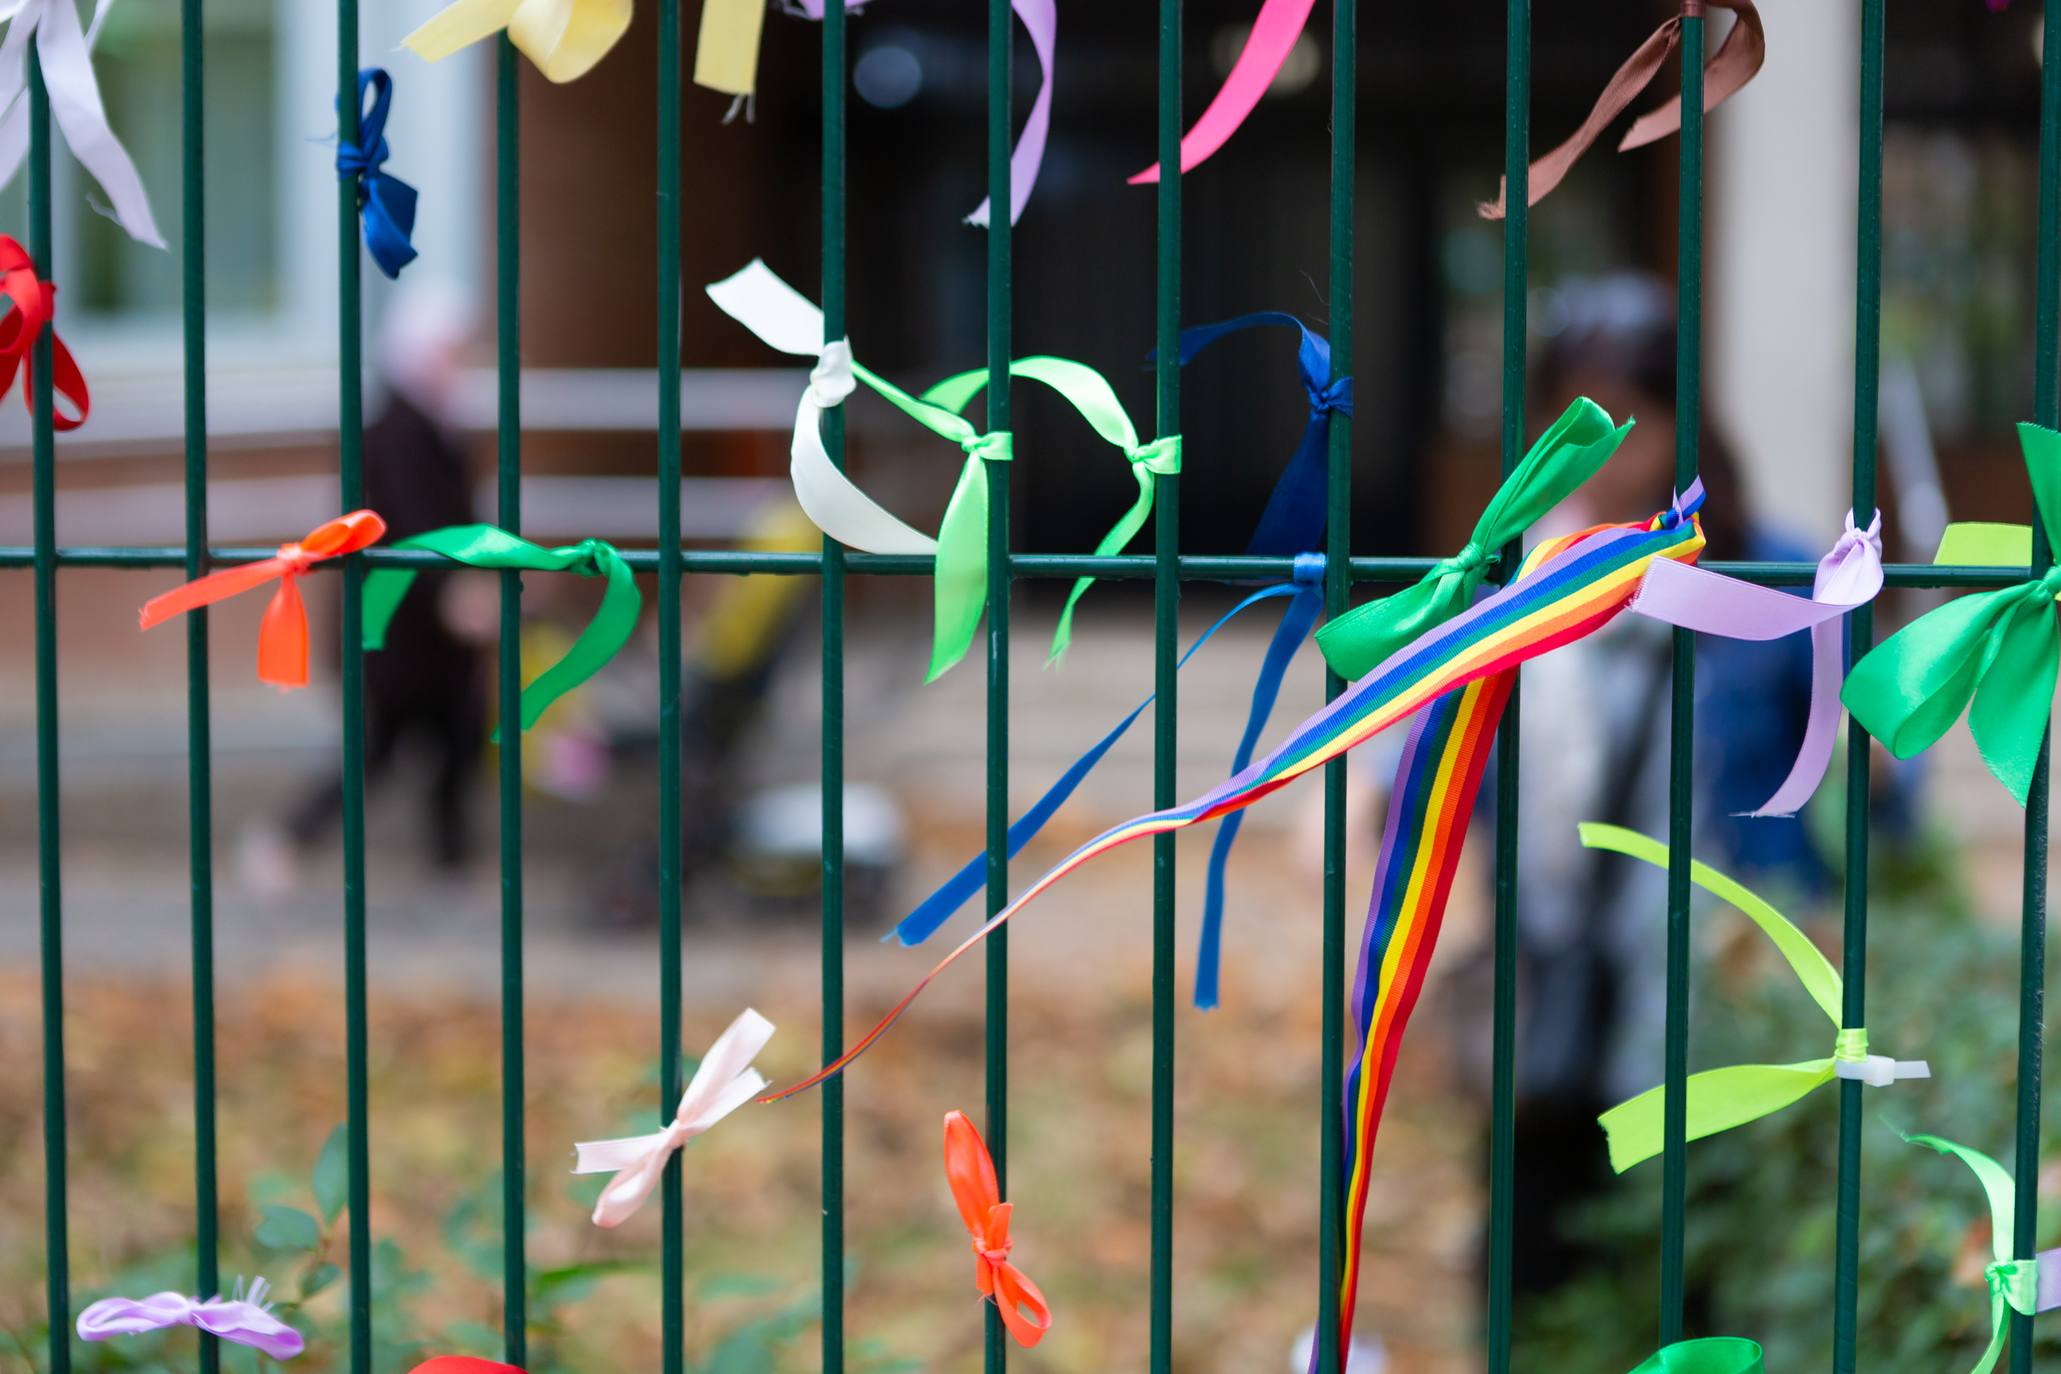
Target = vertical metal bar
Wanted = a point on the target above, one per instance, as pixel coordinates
(1503, 1072)
(508, 690)
(1860, 630)
(1166, 605)
(673, 1314)
(1001, 300)
(1331, 1226)
(199, 763)
(833, 710)
(1682, 741)
(2032, 948)
(49, 871)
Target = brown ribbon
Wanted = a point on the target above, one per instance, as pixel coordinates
(1734, 64)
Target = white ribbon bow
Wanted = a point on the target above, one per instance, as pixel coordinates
(724, 1082)
(66, 54)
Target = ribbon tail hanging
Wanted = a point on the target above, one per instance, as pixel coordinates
(459, 25)
(726, 51)
(615, 620)
(1120, 534)
(283, 637)
(1715, 1100)
(959, 585)
(1041, 20)
(75, 100)
(1273, 36)
(1294, 516)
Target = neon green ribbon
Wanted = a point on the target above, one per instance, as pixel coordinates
(1719, 1099)
(1566, 455)
(2013, 1283)
(1088, 392)
(1991, 654)
(486, 546)
(1711, 1355)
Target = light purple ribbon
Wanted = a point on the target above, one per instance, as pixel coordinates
(1697, 599)
(243, 1318)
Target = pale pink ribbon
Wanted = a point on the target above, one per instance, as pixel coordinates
(724, 1082)
(1711, 603)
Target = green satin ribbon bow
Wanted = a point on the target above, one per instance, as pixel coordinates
(1566, 455)
(1088, 392)
(2013, 1283)
(1711, 1355)
(486, 546)
(1992, 654)
(1719, 1099)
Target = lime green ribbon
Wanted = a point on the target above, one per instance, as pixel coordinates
(1711, 1355)
(486, 546)
(1566, 455)
(1719, 1099)
(1088, 392)
(1991, 654)
(2013, 1283)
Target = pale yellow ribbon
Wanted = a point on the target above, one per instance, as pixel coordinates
(564, 38)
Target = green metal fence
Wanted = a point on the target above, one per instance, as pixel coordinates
(1166, 567)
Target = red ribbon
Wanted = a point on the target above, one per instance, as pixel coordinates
(971, 1172)
(34, 303)
(462, 1364)
(283, 635)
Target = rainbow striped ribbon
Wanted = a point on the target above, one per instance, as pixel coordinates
(1581, 582)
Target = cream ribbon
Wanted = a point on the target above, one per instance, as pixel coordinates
(724, 1082)
(564, 38)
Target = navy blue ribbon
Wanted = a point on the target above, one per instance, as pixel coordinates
(1293, 521)
(1307, 592)
(386, 204)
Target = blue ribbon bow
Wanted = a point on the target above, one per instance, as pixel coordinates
(386, 204)
(1293, 521)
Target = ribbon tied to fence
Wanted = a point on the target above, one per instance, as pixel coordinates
(1991, 654)
(64, 52)
(386, 204)
(1720, 1099)
(722, 1082)
(970, 1172)
(242, 1318)
(34, 303)
(487, 546)
(283, 634)
(2025, 1286)
(564, 38)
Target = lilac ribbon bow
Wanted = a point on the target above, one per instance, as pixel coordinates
(244, 1318)
(1697, 599)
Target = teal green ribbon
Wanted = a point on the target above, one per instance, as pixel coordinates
(1993, 655)
(1089, 393)
(1719, 1099)
(486, 546)
(2013, 1283)
(1570, 452)
(1711, 1355)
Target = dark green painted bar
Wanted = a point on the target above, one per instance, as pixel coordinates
(199, 759)
(508, 687)
(1860, 628)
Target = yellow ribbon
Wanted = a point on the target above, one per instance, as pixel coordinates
(564, 38)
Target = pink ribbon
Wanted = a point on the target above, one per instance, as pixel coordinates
(1710, 603)
(1273, 35)
(243, 1318)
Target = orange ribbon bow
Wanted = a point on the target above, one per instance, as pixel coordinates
(971, 1171)
(1737, 60)
(32, 299)
(283, 635)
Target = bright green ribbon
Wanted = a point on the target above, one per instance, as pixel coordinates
(2013, 1283)
(1719, 1099)
(486, 546)
(1991, 654)
(1711, 1355)
(1566, 455)
(1088, 392)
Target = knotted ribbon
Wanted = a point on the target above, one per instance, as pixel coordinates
(487, 546)
(1737, 59)
(386, 204)
(283, 634)
(1993, 654)
(1274, 31)
(34, 304)
(1710, 1355)
(564, 38)
(243, 1318)
(722, 1082)
(1849, 575)
(1293, 521)
(64, 51)
(1570, 451)
(970, 1171)
(1719, 1099)
(2023, 1286)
